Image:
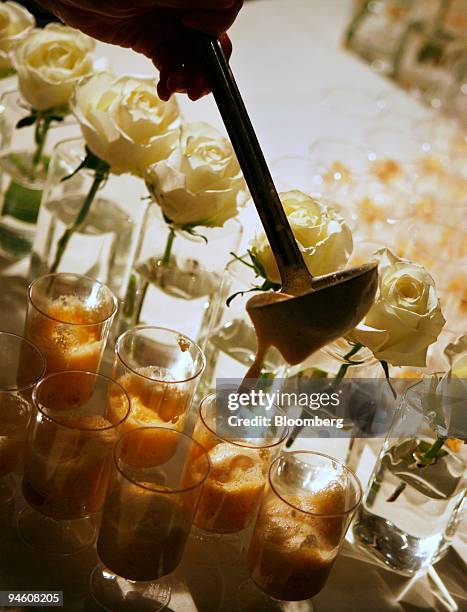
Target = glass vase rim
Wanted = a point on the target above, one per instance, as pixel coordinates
(338, 142)
(212, 396)
(355, 479)
(410, 397)
(153, 489)
(234, 267)
(111, 294)
(198, 238)
(15, 91)
(59, 147)
(98, 376)
(136, 328)
(43, 368)
(331, 350)
(20, 102)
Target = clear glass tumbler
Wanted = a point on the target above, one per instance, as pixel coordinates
(305, 512)
(69, 318)
(239, 467)
(147, 518)
(79, 416)
(159, 369)
(21, 367)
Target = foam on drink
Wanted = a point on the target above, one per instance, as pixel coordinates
(69, 333)
(295, 542)
(233, 488)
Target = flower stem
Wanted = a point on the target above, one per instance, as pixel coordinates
(354, 24)
(40, 136)
(385, 366)
(431, 453)
(345, 366)
(141, 299)
(340, 374)
(99, 177)
(425, 459)
(165, 262)
(398, 491)
(168, 247)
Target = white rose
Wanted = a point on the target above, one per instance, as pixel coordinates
(324, 238)
(201, 182)
(406, 316)
(15, 23)
(456, 353)
(444, 397)
(50, 62)
(124, 122)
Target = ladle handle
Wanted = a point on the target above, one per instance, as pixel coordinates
(294, 273)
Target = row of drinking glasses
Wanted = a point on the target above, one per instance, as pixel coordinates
(119, 446)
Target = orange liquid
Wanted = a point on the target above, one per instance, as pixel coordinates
(67, 470)
(291, 553)
(143, 534)
(153, 404)
(232, 491)
(71, 339)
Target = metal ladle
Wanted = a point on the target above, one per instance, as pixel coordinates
(308, 312)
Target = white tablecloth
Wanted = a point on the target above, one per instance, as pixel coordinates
(285, 53)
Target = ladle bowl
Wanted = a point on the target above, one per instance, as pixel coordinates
(300, 325)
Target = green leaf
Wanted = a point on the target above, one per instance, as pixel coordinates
(385, 366)
(266, 286)
(26, 121)
(57, 118)
(424, 447)
(257, 265)
(92, 162)
(56, 113)
(259, 271)
(240, 259)
(236, 294)
(189, 229)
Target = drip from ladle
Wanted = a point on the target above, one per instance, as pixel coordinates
(308, 312)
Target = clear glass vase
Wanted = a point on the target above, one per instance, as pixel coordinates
(231, 340)
(176, 277)
(103, 246)
(367, 393)
(23, 170)
(375, 30)
(414, 500)
(428, 60)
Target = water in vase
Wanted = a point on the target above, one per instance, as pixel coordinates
(21, 193)
(178, 294)
(410, 510)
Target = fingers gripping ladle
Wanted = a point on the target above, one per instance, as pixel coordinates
(308, 312)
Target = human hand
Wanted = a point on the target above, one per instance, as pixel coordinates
(158, 29)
